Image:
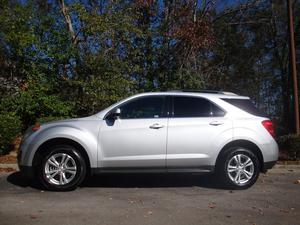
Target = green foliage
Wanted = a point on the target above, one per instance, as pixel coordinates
(36, 100)
(10, 128)
(290, 144)
(55, 66)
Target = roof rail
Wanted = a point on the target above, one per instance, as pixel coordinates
(204, 91)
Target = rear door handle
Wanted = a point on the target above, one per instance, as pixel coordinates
(156, 126)
(216, 123)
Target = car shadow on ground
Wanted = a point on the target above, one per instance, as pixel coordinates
(132, 181)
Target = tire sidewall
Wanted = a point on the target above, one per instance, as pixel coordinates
(229, 154)
(80, 165)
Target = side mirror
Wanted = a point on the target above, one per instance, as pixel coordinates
(114, 114)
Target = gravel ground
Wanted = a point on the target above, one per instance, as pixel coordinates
(153, 199)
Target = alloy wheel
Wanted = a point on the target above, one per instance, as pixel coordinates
(240, 169)
(60, 169)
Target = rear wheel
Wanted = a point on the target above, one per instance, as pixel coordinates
(239, 168)
(62, 168)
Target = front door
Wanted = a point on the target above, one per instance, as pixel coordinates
(138, 137)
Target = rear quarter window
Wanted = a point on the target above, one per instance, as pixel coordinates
(245, 105)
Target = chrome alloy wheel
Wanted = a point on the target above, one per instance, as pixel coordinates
(60, 169)
(240, 169)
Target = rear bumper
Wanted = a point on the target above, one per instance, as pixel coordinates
(268, 165)
(27, 171)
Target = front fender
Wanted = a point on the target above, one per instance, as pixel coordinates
(84, 137)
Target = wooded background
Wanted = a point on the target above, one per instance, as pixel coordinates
(62, 58)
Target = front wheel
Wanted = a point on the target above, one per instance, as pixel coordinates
(239, 168)
(63, 168)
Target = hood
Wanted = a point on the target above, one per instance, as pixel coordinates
(88, 118)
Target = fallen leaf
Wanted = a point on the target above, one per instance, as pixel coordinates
(33, 217)
(212, 205)
(284, 210)
(8, 159)
(7, 170)
(149, 213)
(297, 182)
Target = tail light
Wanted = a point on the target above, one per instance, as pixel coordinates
(269, 127)
(36, 127)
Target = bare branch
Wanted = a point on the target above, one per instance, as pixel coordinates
(240, 8)
(68, 21)
(249, 22)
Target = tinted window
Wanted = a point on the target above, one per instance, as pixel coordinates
(216, 111)
(195, 107)
(144, 107)
(245, 105)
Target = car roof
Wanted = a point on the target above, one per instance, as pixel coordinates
(219, 95)
(205, 94)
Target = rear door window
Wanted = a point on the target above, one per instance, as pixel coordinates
(185, 106)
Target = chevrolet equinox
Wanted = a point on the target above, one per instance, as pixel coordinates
(176, 131)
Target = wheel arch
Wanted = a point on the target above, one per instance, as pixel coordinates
(242, 143)
(42, 150)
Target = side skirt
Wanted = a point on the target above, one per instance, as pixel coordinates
(202, 169)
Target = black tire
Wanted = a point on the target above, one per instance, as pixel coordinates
(222, 166)
(77, 159)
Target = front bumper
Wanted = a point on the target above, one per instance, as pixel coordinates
(27, 171)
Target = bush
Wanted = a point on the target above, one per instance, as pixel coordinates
(30, 105)
(290, 145)
(50, 119)
(10, 128)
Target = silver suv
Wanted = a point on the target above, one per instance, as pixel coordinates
(176, 131)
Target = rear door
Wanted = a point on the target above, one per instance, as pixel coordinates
(195, 125)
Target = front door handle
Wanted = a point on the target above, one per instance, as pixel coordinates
(216, 123)
(156, 126)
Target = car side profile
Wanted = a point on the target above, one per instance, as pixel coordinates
(175, 131)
